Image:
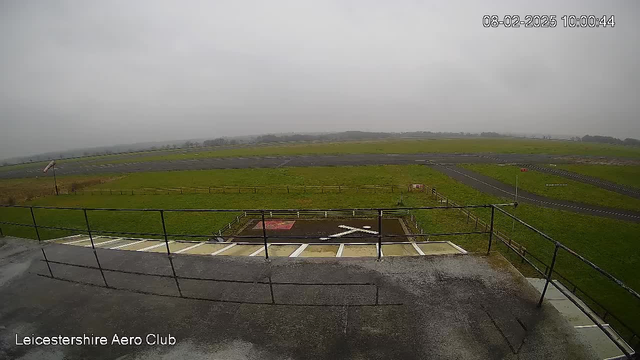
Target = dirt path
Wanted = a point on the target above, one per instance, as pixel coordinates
(494, 187)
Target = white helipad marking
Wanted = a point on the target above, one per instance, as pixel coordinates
(462, 251)
(350, 231)
(129, 244)
(188, 248)
(357, 229)
(223, 249)
(340, 250)
(76, 241)
(299, 250)
(64, 238)
(259, 250)
(104, 242)
(366, 227)
(415, 246)
(154, 246)
(324, 238)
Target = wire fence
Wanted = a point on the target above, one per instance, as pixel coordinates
(248, 189)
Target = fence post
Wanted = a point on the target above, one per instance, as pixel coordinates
(93, 246)
(35, 226)
(166, 243)
(493, 210)
(549, 275)
(379, 234)
(264, 236)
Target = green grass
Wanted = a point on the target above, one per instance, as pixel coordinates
(507, 146)
(621, 174)
(534, 182)
(611, 244)
(478, 145)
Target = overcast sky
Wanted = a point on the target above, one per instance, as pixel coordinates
(90, 73)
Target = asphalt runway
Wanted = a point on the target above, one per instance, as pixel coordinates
(494, 187)
(87, 168)
(604, 184)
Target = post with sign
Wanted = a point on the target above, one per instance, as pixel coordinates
(52, 165)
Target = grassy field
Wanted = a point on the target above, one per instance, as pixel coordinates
(534, 182)
(505, 146)
(623, 175)
(609, 243)
(479, 145)
(19, 190)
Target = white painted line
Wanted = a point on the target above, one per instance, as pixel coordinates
(415, 246)
(64, 238)
(259, 250)
(76, 241)
(299, 250)
(129, 244)
(154, 246)
(462, 251)
(223, 249)
(357, 229)
(188, 248)
(589, 326)
(104, 242)
(343, 233)
(340, 250)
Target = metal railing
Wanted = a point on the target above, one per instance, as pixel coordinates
(378, 213)
(633, 339)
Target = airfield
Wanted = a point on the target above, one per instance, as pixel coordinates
(159, 242)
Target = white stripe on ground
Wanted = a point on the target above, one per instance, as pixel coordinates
(415, 246)
(129, 244)
(340, 250)
(104, 242)
(463, 251)
(259, 250)
(75, 242)
(154, 246)
(223, 249)
(188, 248)
(299, 250)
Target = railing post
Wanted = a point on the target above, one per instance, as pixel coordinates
(35, 226)
(379, 234)
(493, 211)
(166, 243)
(93, 246)
(264, 236)
(549, 275)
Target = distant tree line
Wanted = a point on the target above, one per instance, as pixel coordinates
(610, 140)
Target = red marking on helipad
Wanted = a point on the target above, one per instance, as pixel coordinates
(275, 225)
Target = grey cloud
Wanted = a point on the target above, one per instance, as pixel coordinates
(89, 73)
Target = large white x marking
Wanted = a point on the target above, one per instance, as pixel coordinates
(351, 231)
